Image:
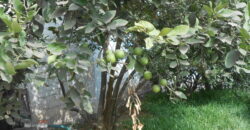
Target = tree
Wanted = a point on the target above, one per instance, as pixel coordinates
(210, 51)
(193, 36)
(18, 54)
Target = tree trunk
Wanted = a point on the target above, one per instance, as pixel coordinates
(109, 91)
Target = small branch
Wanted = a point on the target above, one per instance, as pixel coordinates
(103, 82)
(61, 85)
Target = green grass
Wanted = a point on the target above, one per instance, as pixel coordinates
(213, 110)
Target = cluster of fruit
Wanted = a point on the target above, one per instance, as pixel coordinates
(112, 57)
(156, 88)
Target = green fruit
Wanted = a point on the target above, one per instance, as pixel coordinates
(147, 75)
(111, 58)
(119, 54)
(144, 60)
(163, 82)
(156, 88)
(109, 52)
(138, 51)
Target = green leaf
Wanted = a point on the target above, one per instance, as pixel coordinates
(184, 62)
(135, 28)
(242, 51)
(244, 34)
(239, 69)
(10, 121)
(240, 5)
(9, 68)
(2, 64)
(59, 12)
(51, 59)
(179, 30)
(30, 15)
(5, 77)
(104, 2)
(245, 46)
(117, 23)
(139, 68)
(131, 63)
(149, 42)
(74, 95)
(86, 104)
(15, 27)
(246, 24)
(226, 39)
(229, 13)
(80, 2)
(3, 55)
(69, 21)
(180, 94)
(231, 58)
(174, 40)
(6, 19)
(171, 56)
(73, 7)
(108, 16)
(165, 31)
(215, 57)
(183, 49)
(59, 64)
(194, 41)
(209, 42)
(173, 64)
(56, 48)
(25, 64)
(220, 6)
(154, 33)
(18, 6)
(145, 25)
(208, 9)
(90, 27)
(248, 6)
(70, 62)
(22, 38)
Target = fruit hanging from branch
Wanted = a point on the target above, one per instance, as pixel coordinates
(143, 60)
(156, 88)
(147, 75)
(119, 54)
(163, 82)
(138, 51)
(111, 58)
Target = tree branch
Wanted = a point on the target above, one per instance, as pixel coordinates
(61, 85)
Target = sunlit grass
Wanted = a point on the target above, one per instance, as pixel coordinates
(213, 110)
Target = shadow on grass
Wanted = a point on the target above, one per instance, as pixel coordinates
(209, 110)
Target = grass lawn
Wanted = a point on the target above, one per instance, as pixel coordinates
(213, 110)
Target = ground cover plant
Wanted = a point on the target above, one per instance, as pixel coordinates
(211, 110)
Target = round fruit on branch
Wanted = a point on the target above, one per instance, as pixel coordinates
(143, 60)
(138, 51)
(147, 75)
(119, 54)
(108, 52)
(111, 58)
(156, 88)
(163, 82)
